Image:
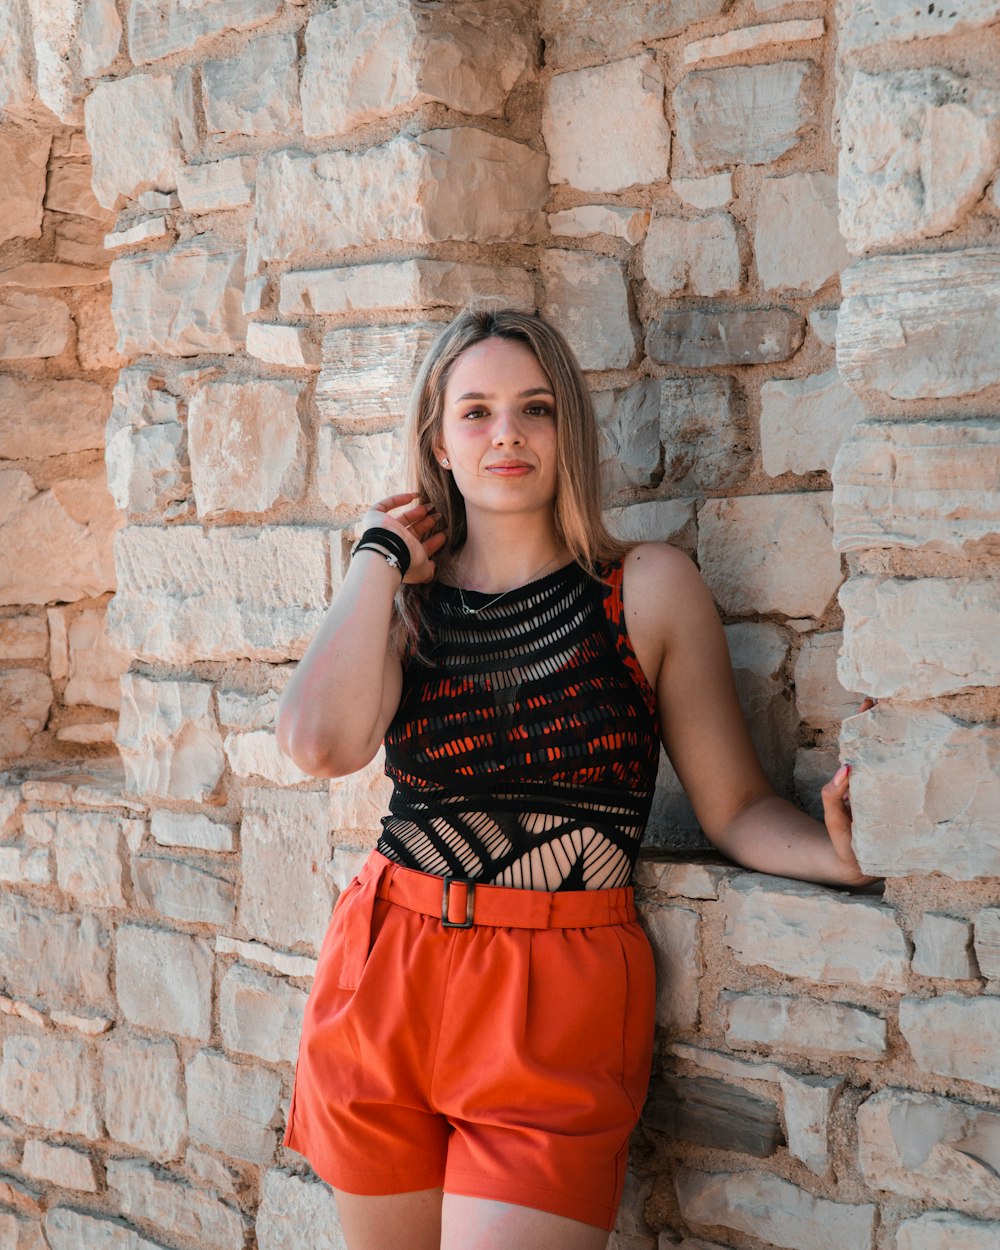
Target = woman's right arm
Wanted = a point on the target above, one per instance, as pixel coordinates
(336, 707)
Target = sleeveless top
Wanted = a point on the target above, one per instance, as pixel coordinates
(525, 747)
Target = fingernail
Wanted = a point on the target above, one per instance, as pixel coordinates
(842, 772)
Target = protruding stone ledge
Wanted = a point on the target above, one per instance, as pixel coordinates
(368, 371)
(801, 1025)
(710, 1112)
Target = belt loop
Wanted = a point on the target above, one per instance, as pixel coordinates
(470, 902)
(356, 918)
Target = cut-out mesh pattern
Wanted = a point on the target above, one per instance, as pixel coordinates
(525, 746)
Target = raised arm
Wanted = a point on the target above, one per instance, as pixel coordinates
(336, 708)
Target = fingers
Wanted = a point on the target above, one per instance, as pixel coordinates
(391, 502)
(836, 803)
(867, 704)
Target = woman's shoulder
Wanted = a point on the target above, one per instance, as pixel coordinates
(663, 592)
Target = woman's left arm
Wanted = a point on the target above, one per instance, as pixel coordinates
(679, 641)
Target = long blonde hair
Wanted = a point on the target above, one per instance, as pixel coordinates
(578, 521)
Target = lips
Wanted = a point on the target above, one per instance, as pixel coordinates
(509, 468)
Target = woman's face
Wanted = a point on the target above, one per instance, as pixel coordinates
(498, 428)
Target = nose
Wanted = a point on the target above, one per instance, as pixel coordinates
(507, 429)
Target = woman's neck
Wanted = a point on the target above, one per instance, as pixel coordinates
(501, 553)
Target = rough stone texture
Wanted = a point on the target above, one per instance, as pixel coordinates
(687, 878)
(156, 28)
(400, 285)
(571, 33)
(801, 1024)
(797, 244)
(48, 1083)
(804, 421)
(216, 185)
(70, 190)
(742, 550)
(934, 1149)
(23, 638)
(926, 799)
(25, 702)
(443, 184)
(230, 1107)
(25, 866)
(88, 856)
(59, 959)
(247, 446)
(368, 371)
(943, 947)
(807, 1102)
(758, 652)
(182, 302)
(256, 754)
(676, 941)
(819, 696)
(658, 521)
(368, 59)
(94, 667)
(823, 322)
(255, 92)
(586, 296)
(699, 339)
(33, 327)
(923, 144)
(700, 257)
(260, 1015)
(44, 275)
(99, 37)
(629, 424)
(60, 1165)
(744, 114)
(874, 23)
(704, 448)
(142, 1105)
(263, 592)
(53, 35)
(284, 896)
(916, 638)
(291, 1203)
(24, 157)
(954, 1036)
(944, 1230)
(133, 133)
(145, 449)
(593, 219)
(164, 980)
(281, 345)
(809, 931)
(69, 1230)
(926, 484)
(183, 891)
(177, 1208)
(169, 739)
(604, 127)
(190, 829)
(752, 38)
(774, 1210)
(258, 953)
(921, 325)
(988, 941)
(358, 803)
(353, 470)
(715, 191)
(709, 1112)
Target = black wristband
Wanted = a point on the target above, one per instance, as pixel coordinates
(388, 544)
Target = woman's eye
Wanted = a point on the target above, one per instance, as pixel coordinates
(539, 410)
(473, 413)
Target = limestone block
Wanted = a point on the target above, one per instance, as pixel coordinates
(744, 547)
(926, 484)
(713, 1113)
(954, 1036)
(872, 23)
(917, 638)
(774, 1210)
(156, 28)
(257, 755)
(943, 947)
(988, 942)
(921, 325)
(442, 184)
(24, 156)
(797, 244)
(919, 147)
(255, 92)
(368, 59)
(247, 446)
(759, 651)
(700, 257)
(587, 297)
(571, 34)
(145, 447)
(804, 421)
(714, 191)
(48, 1082)
(590, 219)
(260, 1015)
(353, 470)
(43, 275)
(802, 1025)
(629, 425)
(281, 345)
(745, 114)
(142, 1102)
(99, 37)
(823, 322)
(347, 862)
(262, 592)
(247, 712)
(168, 738)
(807, 1102)
(945, 1230)
(674, 933)
(66, 1229)
(657, 521)
(368, 371)
(18, 97)
(70, 190)
(216, 185)
(291, 1203)
(177, 1208)
(699, 339)
(704, 448)
(925, 793)
(88, 856)
(819, 696)
(95, 666)
(23, 638)
(58, 958)
(183, 891)
(95, 337)
(230, 1107)
(182, 302)
(54, 26)
(133, 133)
(60, 1165)
(284, 898)
(605, 128)
(164, 980)
(935, 1149)
(401, 285)
(809, 931)
(687, 878)
(359, 801)
(752, 38)
(257, 953)
(25, 703)
(192, 830)
(33, 327)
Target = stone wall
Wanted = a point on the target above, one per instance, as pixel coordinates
(293, 196)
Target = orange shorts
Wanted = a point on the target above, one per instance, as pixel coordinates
(505, 1060)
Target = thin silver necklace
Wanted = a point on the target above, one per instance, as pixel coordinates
(483, 606)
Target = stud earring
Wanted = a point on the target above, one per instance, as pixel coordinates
(446, 463)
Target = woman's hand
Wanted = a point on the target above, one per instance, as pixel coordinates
(837, 817)
(416, 523)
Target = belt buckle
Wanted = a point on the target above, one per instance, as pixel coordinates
(470, 886)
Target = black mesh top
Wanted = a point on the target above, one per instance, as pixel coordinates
(525, 746)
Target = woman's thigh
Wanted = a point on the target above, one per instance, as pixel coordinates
(389, 1221)
(482, 1224)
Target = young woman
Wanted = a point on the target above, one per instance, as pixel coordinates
(478, 1039)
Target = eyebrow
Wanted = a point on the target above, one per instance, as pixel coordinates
(535, 390)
